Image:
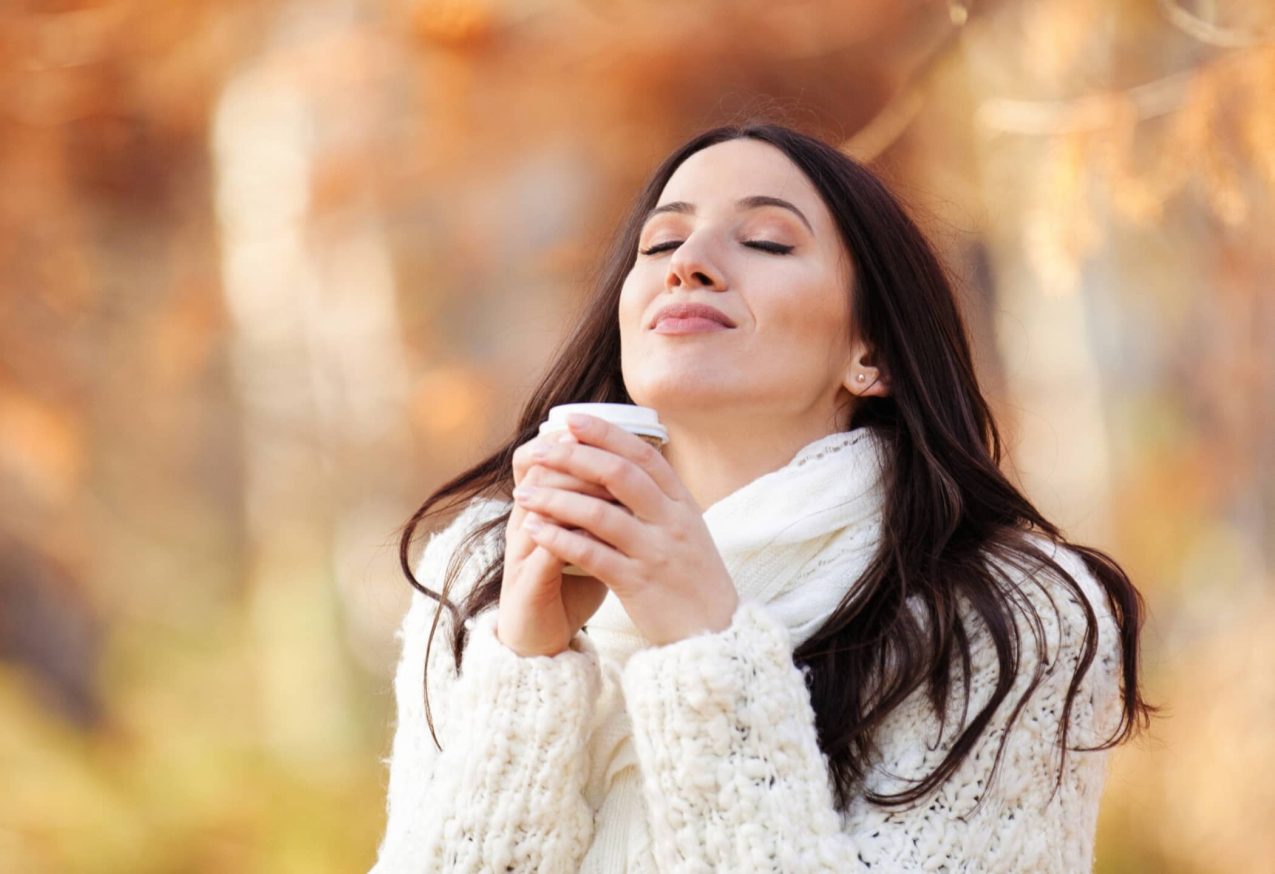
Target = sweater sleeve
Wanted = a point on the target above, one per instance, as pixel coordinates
(734, 778)
(506, 791)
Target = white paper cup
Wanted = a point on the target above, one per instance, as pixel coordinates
(643, 422)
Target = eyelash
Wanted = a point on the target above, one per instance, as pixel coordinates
(764, 245)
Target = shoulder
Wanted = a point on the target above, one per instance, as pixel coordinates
(1054, 612)
(1051, 626)
(1065, 632)
(1048, 633)
(1048, 611)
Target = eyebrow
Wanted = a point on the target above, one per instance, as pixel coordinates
(751, 202)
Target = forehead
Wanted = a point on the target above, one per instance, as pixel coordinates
(724, 172)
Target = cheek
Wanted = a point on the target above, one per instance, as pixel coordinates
(803, 328)
(626, 315)
(632, 306)
(812, 305)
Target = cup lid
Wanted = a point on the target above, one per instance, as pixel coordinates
(643, 421)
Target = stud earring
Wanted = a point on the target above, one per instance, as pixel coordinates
(861, 377)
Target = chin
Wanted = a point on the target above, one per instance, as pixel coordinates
(680, 393)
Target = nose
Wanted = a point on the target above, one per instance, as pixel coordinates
(688, 266)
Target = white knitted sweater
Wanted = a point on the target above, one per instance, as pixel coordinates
(732, 778)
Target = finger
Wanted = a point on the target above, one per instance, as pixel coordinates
(541, 566)
(612, 438)
(540, 475)
(523, 461)
(527, 470)
(620, 477)
(590, 555)
(539, 578)
(518, 542)
(607, 522)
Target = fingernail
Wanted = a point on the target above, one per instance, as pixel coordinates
(578, 421)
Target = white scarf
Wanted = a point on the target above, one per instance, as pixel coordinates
(795, 540)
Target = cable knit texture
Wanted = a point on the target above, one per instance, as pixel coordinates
(701, 755)
(505, 792)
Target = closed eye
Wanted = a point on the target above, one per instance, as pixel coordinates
(764, 245)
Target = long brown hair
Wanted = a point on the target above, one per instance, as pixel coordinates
(947, 503)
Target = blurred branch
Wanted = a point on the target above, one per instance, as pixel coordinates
(1208, 32)
(1093, 111)
(1050, 117)
(884, 128)
(890, 123)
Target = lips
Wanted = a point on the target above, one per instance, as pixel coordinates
(691, 311)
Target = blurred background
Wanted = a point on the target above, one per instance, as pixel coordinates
(271, 272)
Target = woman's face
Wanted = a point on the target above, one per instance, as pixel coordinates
(781, 277)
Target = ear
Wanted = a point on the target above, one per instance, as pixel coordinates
(863, 379)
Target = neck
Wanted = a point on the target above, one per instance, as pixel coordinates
(713, 464)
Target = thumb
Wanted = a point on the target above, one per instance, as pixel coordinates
(542, 575)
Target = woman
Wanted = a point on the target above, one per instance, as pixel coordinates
(824, 633)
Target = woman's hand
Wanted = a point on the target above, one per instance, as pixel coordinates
(540, 608)
(658, 556)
